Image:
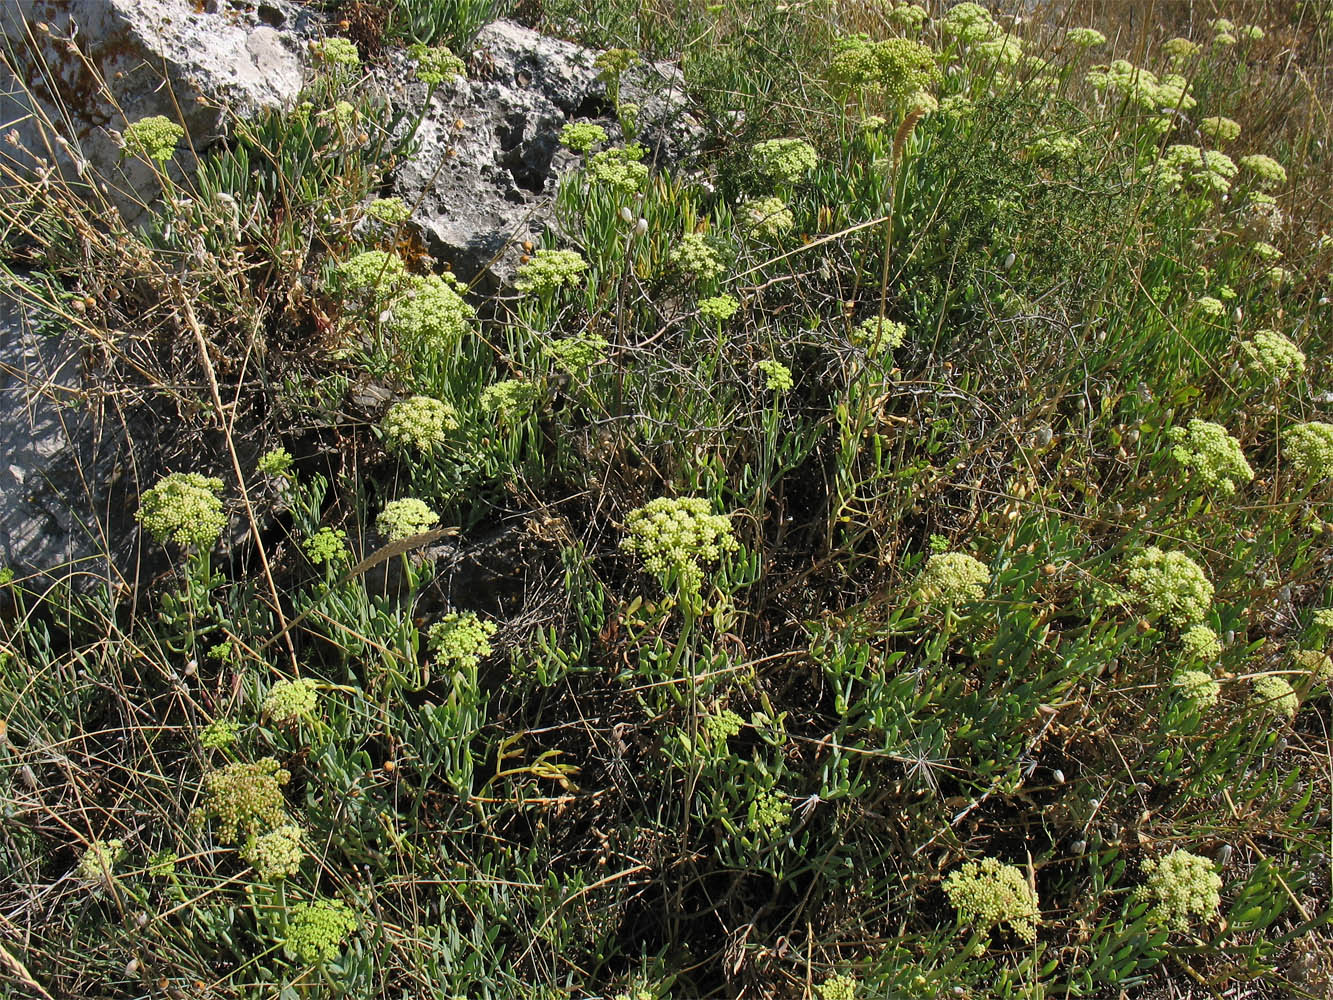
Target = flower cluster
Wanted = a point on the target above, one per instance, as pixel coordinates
(461, 638)
(277, 854)
(952, 578)
(549, 270)
(1207, 169)
(316, 932)
(837, 988)
(327, 546)
(338, 52)
(968, 22)
(390, 211)
(698, 256)
(721, 726)
(1002, 48)
(1055, 147)
(100, 860)
(613, 62)
(509, 399)
(372, 271)
(1199, 642)
(784, 161)
(1210, 307)
(576, 356)
(767, 815)
(1220, 128)
(777, 376)
(153, 138)
(675, 537)
(418, 423)
(988, 893)
(1314, 662)
(1213, 455)
(769, 216)
(436, 64)
(876, 336)
(1198, 686)
(619, 168)
(1180, 50)
(1171, 585)
(275, 462)
(404, 518)
(1181, 890)
(288, 701)
(219, 734)
(1267, 171)
(582, 136)
(432, 314)
(1270, 355)
(1309, 450)
(1142, 87)
(1085, 38)
(1272, 693)
(718, 307)
(245, 799)
(894, 68)
(907, 15)
(184, 507)
(1265, 251)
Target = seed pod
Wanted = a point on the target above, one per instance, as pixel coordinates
(1059, 776)
(641, 227)
(626, 214)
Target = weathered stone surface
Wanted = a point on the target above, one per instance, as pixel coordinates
(92, 66)
(484, 174)
(59, 465)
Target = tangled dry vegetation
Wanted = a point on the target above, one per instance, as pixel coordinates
(886, 557)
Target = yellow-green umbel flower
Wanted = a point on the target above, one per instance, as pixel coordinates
(245, 800)
(907, 15)
(1198, 686)
(1271, 693)
(837, 988)
(769, 217)
(893, 68)
(418, 424)
(509, 399)
(219, 734)
(1266, 170)
(436, 64)
(877, 336)
(404, 518)
(784, 161)
(327, 546)
(275, 462)
(290, 700)
(582, 136)
(718, 727)
(99, 860)
(549, 270)
(1170, 585)
(372, 272)
(432, 316)
(153, 138)
(318, 931)
(184, 507)
(952, 578)
(1085, 38)
(1182, 890)
(461, 638)
(969, 22)
(275, 855)
(390, 211)
(1180, 50)
(619, 168)
(1211, 454)
(1308, 449)
(576, 356)
(718, 307)
(1270, 355)
(1210, 307)
(338, 52)
(1314, 662)
(676, 538)
(768, 815)
(1199, 642)
(1220, 128)
(988, 893)
(698, 256)
(777, 376)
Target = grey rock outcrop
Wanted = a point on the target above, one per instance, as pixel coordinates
(483, 176)
(83, 69)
